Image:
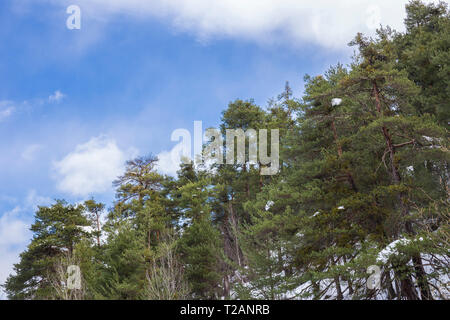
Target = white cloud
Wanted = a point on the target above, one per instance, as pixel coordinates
(56, 97)
(6, 109)
(9, 107)
(331, 24)
(33, 200)
(169, 161)
(9, 258)
(6, 113)
(14, 235)
(12, 229)
(30, 151)
(91, 167)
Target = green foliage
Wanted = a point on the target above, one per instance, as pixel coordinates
(201, 253)
(56, 231)
(364, 180)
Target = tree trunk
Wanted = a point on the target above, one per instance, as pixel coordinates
(390, 288)
(226, 286)
(234, 224)
(98, 230)
(407, 286)
(349, 280)
(425, 292)
(338, 288)
(350, 179)
(407, 289)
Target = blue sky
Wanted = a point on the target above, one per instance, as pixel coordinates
(75, 104)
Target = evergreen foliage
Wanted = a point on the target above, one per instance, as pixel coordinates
(364, 181)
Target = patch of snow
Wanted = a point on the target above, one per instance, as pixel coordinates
(269, 204)
(391, 250)
(336, 102)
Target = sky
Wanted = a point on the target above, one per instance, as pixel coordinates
(75, 104)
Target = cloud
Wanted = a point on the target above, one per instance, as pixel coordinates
(331, 24)
(91, 167)
(56, 97)
(33, 200)
(15, 233)
(6, 113)
(12, 229)
(9, 258)
(169, 161)
(30, 151)
(6, 109)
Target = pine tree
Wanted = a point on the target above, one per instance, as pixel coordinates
(56, 231)
(200, 245)
(95, 210)
(363, 182)
(423, 52)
